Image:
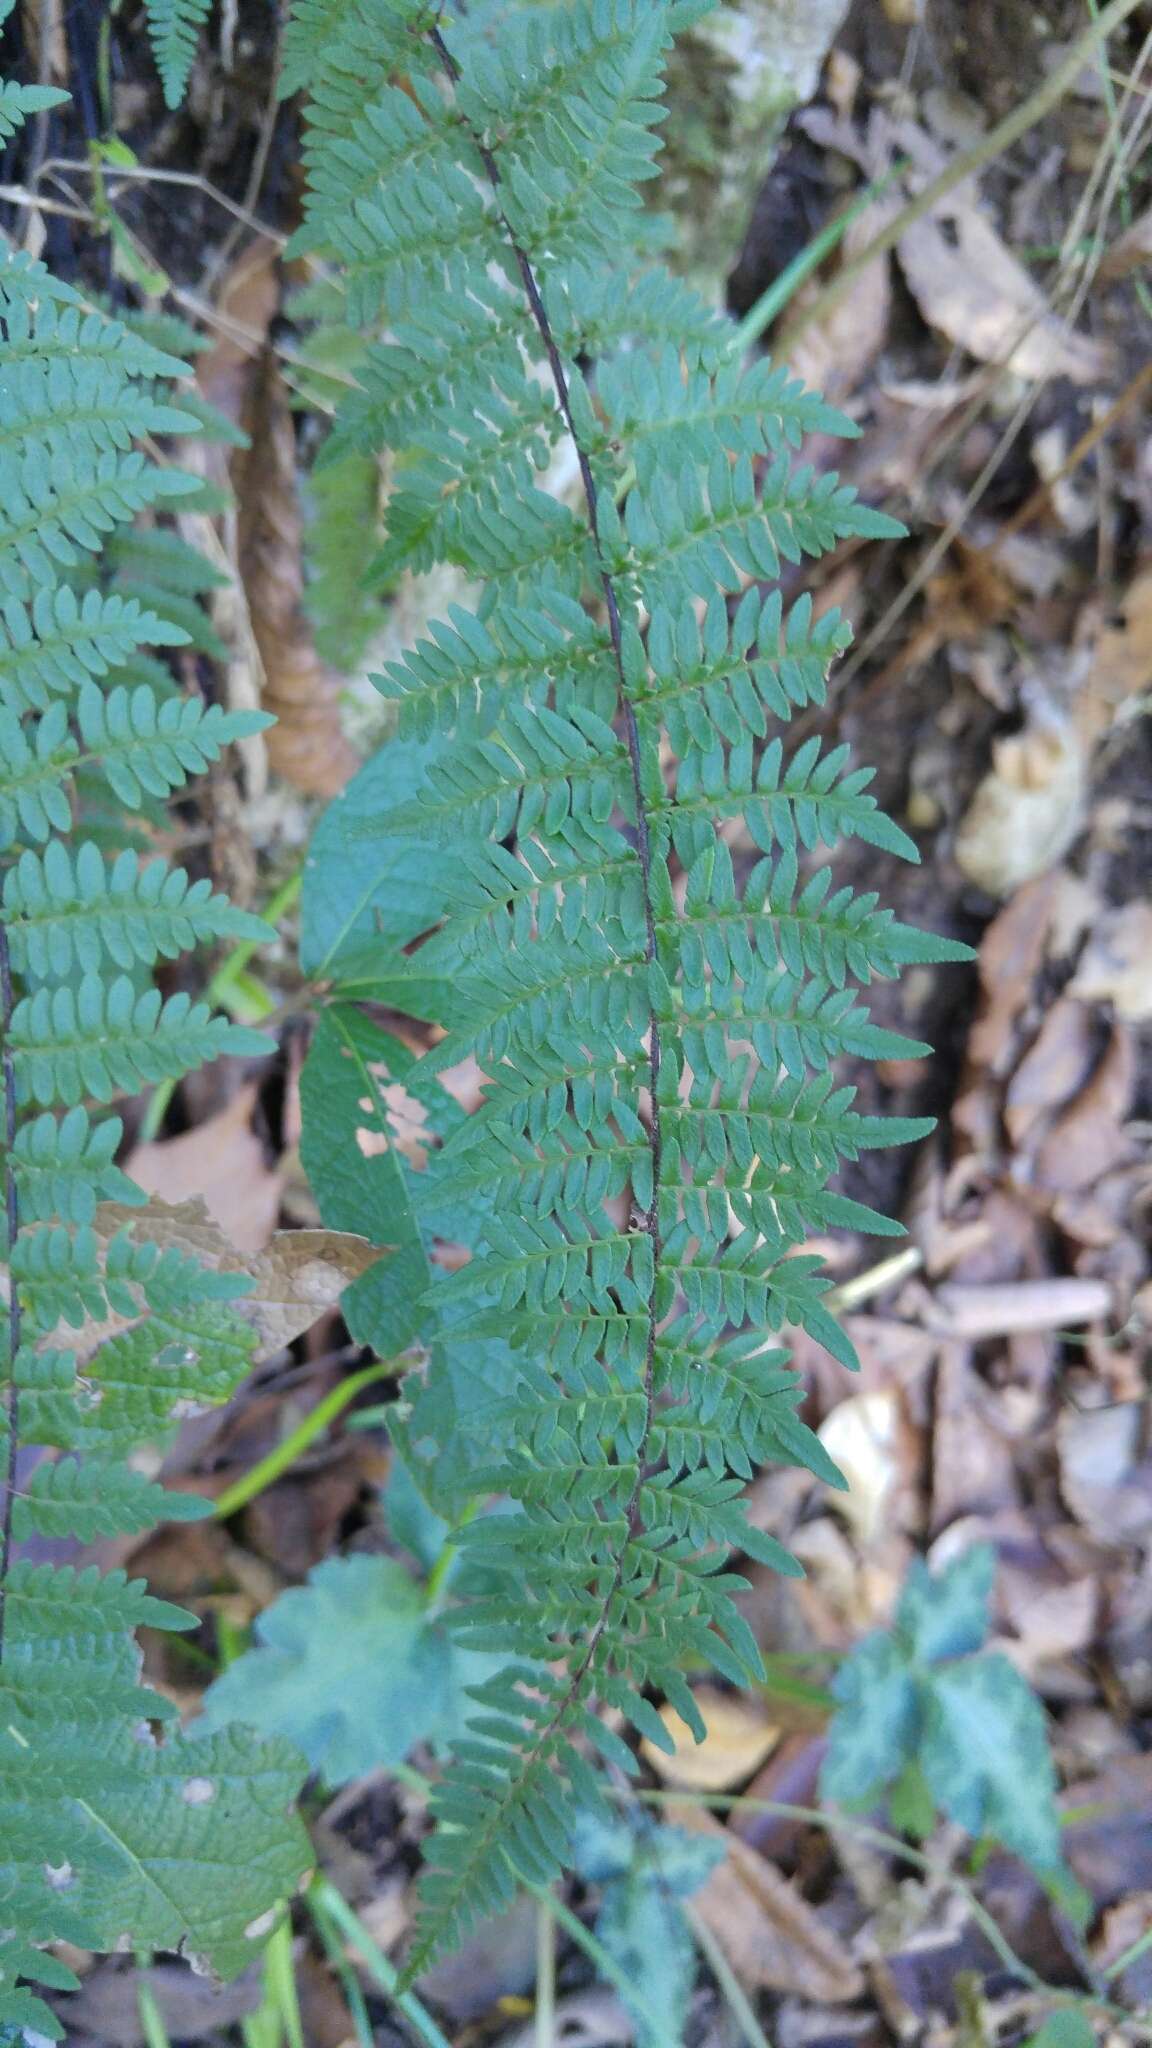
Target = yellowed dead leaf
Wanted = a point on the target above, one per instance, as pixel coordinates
(738, 1740)
(223, 1162)
(1028, 809)
(296, 1277)
(241, 375)
(861, 1435)
(968, 285)
(769, 1933)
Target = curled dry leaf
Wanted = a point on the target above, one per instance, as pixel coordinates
(1130, 251)
(296, 1277)
(769, 1933)
(1104, 1477)
(1028, 809)
(970, 287)
(738, 1740)
(224, 1162)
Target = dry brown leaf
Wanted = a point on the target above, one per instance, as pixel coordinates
(1102, 1475)
(973, 1469)
(967, 284)
(1089, 1138)
(1056, 1064)
(738, 1740)
(224, 1162)
(1028, 809)
(240, 374)
(1129, 251)
(1123, 1928)
(772, 1937)
(296, 1277)
(1011, 953)
(1116, 965)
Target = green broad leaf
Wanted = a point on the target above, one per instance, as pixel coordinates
(643, 1873)
(1070, 2028)
(874, 1733)
(356, 1108)
(353, 1669)
(946, 1613)
(985, 1755)
(191, 1843)
(411, 1520)
(911, 1807)
(365, 881)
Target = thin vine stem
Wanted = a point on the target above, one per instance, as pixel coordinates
(12, 1220)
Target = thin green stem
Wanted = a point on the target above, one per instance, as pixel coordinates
(151, 2018)
(607, 1968)
(439, 1574)
(280, 1981)
(772, 301)
(334, 1905)
(357, 2003)
(279, 1461)
(739, 2003)
(545, 1972)
(231, 976)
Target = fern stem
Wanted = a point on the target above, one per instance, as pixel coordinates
(650, 1221)
(328, 1901)
(12, 1218)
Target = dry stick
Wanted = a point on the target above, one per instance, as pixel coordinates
(12, 1217)
(1002, 137)
(1034, 505)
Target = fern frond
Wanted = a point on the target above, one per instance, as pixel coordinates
(174, 26)
(107, 1338)
(656, 1023)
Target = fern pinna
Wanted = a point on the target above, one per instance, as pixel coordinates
(656, 1020)
(106, 1833)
